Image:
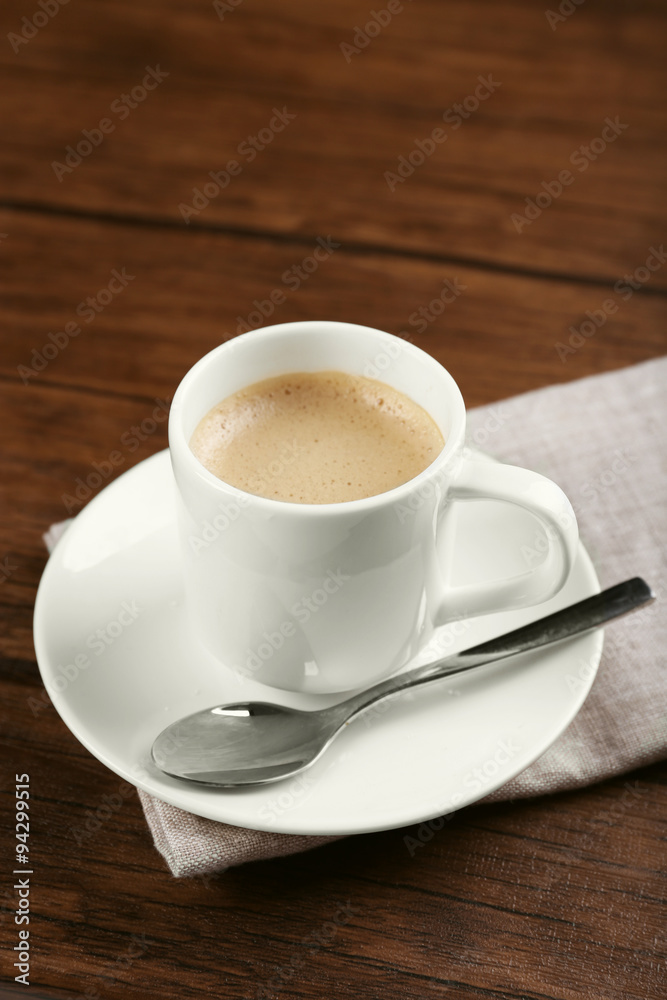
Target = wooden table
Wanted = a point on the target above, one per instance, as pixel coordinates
(410, 140)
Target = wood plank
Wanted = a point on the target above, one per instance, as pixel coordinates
(325, 170)
(189, 289)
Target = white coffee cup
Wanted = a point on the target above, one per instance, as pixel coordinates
(330, 597)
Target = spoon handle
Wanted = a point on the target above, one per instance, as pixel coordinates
(577, 618)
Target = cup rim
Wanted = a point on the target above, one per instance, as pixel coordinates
(452, 446)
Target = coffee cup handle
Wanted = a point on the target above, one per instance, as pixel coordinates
(484, 480)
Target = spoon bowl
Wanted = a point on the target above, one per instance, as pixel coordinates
(214, 746)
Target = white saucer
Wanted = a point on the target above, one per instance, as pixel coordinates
(441, 747)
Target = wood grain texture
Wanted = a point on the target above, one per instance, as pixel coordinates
(560, 898)
(325, 170)
(190, 291)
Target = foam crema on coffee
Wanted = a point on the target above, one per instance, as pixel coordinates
(316, 438)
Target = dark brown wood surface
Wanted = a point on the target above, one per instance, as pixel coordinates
(561, 897)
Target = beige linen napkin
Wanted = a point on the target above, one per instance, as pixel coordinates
(602, 439)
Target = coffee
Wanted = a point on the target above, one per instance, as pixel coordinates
(317, 437)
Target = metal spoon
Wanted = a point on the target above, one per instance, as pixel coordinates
(251, 743)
